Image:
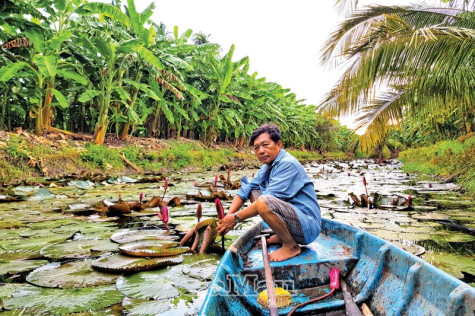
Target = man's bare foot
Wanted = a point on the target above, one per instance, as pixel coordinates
(284, 253)
(272, 240)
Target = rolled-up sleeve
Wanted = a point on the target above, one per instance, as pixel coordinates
(285, 182)
(247, 186)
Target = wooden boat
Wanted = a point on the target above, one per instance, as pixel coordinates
(387, 279)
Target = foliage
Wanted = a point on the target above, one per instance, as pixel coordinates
(406, 64)
(446, 159)
(101, 156)
(113, 70)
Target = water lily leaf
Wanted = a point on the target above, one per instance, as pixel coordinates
(414, 249)
(10, 233)
(152, 248)
(11, 223)
(119, 263)
(62, 301)
(202, 270)
(51, 224)
(76, 274)
(451, 263)
(142, 307)
(19, 266)
(81, 184)
(453, 237)
(32, 243)
(19, 255)
(42, 194)
(147, 285)
(131, 235)
(8, 289)
(85, 228)
(78, 248)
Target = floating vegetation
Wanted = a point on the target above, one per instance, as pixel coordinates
(131, 235)
(152, 248)
(19, 266)
(37, 300)
(81, 248)
(119, 263)
(70, 275)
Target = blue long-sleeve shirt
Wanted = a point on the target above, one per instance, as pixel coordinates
(289, 182)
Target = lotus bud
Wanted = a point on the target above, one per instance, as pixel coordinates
(253, 174)
(165, 214)
(215, 180)
(229, 174)
(409, 201)
(364, 181)
(199, 212)
(334, 278)
(120, 197)
(196, 184)
(141, 197)
(430, 185)
(166, 184)
(219, 208)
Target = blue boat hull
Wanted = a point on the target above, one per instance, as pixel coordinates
(389, 280)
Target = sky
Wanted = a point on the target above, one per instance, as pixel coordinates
(282, 40)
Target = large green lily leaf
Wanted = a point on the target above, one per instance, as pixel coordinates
(19, 266)
(142, 307)
(152, 248)
(76, 274)
(130, 235)
(120, 263)
(9, 71)
(78, 248)
(39, 300)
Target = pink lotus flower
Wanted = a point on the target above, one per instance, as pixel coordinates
(165, 216)
(199, 212)
(219, 208)
(196, 184)
(409, 201)
(334, 278)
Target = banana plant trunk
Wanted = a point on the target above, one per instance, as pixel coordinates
(4, 106)
(46, 110)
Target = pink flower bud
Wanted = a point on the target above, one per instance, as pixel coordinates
(334, 278)
(141, 197)
(409, 201)
(120, 197)
(364, 181)
(215, 180)
(219, 208)
(166, 184)
(196, 184)
(199, 212)
(253, 174)
(165, 217)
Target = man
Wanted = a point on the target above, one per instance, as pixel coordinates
(288, 203)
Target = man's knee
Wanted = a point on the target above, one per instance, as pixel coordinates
(261, 206)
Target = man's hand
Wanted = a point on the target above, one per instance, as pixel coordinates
(226, 224)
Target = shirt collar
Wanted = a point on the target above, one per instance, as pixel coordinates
(279, 157)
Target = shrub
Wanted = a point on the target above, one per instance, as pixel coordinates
(101, 156)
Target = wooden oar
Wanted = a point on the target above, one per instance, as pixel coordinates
(269, 279)
(350, 305)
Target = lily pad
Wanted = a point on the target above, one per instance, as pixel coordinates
(19, 255)
(451, 263)
(39, 300)
(153, 248)
(142, 307)
(131, 235)
(202, 270)
(416, 250)
(19, 266)
(32, 243)
(76, 274)
(78, 248)
(41, 194)
(119, 263)
(85, 228)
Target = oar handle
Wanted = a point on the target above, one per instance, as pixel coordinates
(269, 279)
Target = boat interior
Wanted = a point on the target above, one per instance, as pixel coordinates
(387, 279)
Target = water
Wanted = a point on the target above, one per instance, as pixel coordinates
(65, 209)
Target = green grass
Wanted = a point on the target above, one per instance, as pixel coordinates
(99, 156)
(445, 159)
(305, 155)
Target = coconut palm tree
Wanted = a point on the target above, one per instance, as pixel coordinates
(408, 62)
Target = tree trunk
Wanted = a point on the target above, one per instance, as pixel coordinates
(46, 110)
(4, 106)
(125, 130)
(100, 132)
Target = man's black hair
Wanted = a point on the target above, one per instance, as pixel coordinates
(272, 129)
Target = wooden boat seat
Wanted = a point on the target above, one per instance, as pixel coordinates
(311, 267)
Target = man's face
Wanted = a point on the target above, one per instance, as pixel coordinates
(266, 149)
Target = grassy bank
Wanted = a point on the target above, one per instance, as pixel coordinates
(26, 156)
(447, 159)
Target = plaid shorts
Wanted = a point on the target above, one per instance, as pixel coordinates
(287, 214)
